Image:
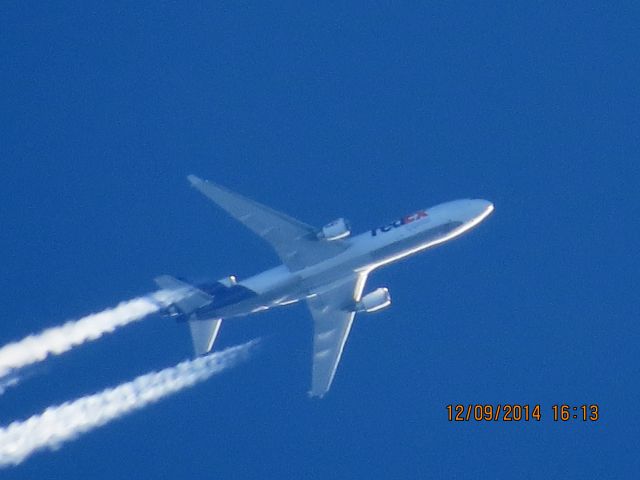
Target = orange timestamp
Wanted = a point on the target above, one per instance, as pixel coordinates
(514, 412)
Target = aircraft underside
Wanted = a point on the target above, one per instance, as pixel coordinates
(324, 267)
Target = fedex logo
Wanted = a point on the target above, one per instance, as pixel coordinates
(398, 223)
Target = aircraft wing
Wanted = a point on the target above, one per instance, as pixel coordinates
(295, 242)
(332, 311)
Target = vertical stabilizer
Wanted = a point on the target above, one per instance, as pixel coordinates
(203, 333)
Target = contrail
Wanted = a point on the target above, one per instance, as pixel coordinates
(61, 423)
(57, 340)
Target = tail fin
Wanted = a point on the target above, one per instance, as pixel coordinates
(203, 333)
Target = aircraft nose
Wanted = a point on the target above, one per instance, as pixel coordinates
(467, 210)
(473, 207)
(482, 205)
(481, 208)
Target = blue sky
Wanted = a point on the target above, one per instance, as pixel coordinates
(364, 111)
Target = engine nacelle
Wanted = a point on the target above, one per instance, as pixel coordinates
(374, 301)
(335, 230)
(229, 281)
(171, 311)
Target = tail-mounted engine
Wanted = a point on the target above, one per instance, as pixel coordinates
(335, 230)
(374, 301)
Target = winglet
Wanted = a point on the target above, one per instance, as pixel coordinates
(194, 180)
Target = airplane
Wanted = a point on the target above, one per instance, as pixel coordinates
(325, 267)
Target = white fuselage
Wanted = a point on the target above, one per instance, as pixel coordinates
(365, 252)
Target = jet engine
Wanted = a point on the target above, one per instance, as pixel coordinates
(335, 230)
(171, 311)
(374, 301)
(229, 281)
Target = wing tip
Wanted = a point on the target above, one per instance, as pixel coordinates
(194, 180)
(314, 394)
(165, 281)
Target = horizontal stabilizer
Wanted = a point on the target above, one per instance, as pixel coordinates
(203, 333)
(192, 300)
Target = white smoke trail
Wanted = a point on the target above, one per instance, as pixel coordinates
(59, 424)
(57, 340)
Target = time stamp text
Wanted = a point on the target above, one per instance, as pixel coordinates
(513, 412)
